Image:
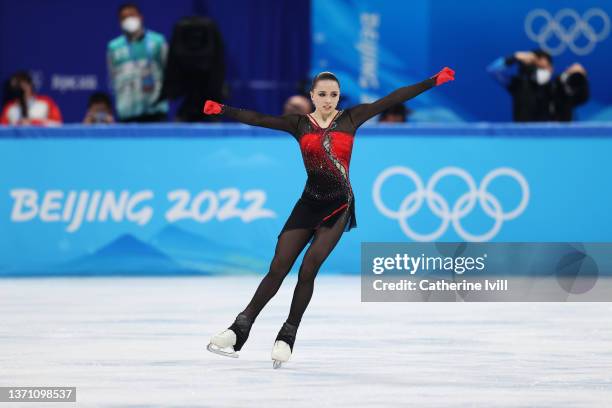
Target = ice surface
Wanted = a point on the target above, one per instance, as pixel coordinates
(140, 342)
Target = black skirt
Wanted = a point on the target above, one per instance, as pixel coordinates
(311, 214)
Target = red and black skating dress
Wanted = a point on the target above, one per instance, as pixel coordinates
(327, 155)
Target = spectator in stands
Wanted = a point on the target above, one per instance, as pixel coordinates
(395, 114)
(28, 108)
(99, 109)
(297, 104)
(136, 61)
(537, 95)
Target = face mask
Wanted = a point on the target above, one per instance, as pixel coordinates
(542, 76)
(131, 24)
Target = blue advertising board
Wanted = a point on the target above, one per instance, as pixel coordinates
(375, 47)
(212, 199)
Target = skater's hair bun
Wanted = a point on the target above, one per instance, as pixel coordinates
(325, 75)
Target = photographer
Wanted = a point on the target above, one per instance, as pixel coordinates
(537, 95)
(27, 108)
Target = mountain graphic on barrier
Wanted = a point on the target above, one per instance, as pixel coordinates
(199, 252)
(127, 255)
(172, 251)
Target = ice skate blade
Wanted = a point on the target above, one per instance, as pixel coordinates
(277, 364)
(215, 349)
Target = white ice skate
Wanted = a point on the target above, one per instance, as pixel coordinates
(231, 340)
(281, 352)
(223, 344)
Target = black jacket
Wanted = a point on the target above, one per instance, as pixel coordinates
(553, 101)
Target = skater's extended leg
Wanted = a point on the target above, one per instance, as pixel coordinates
(289, 246)
(325, 239)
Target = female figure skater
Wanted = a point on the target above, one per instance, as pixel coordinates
(326, 208)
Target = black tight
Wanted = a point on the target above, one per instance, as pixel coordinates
(325, 239)
(289, 246)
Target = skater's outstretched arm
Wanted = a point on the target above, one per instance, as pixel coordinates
(288, 123)
(363, 112)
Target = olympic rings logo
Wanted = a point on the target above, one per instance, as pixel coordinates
(567, 35)
(441, 208)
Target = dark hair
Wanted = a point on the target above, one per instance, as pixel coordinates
(127, 6)
(397, 109)
(23, 76)
(100, 97)
(326, 75)
(543, 54)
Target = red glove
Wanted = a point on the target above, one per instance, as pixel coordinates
(212, 108)
(443, 76)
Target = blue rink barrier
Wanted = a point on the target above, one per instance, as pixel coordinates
(211, 199)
